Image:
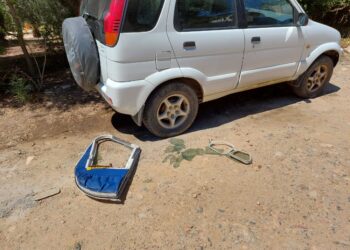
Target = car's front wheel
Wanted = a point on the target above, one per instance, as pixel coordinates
(312, 83)
(171, 110)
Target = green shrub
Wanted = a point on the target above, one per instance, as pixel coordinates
(331, 12)
(21, 89)
(345, 42)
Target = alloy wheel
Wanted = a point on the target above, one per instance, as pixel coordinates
(317, 78)
(173, 111)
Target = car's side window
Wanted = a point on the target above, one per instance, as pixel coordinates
(142, 15)
(191, 15)
(264, 13)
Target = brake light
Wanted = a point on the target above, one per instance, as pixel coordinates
(112, 22)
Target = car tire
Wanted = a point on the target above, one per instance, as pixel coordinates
(312, 83)
(171, 110)
(82, 52)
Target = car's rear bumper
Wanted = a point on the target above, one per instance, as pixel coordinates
(125, 97)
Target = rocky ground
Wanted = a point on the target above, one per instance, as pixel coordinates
(294, 196)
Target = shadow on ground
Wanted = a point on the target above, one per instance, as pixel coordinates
(60, 92)
(227, 109)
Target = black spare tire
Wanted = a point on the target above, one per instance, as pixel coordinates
(81, 52)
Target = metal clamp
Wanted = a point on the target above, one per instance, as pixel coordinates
(231, 152)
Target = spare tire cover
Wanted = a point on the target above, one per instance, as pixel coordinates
(81, 52)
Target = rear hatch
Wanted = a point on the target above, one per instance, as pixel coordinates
(135, 19)
(104, 18)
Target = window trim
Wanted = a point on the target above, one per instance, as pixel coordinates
(233, 27)
(246, 26)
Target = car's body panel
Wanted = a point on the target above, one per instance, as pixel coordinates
(134, 56)
(242, 89)
(319, 39)
(103, 61)
(311, 56)
(126, 97)
(276, 57)
(216, 58)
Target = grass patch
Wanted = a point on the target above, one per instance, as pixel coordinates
(177, 152)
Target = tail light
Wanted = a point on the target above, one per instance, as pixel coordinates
(112, 22)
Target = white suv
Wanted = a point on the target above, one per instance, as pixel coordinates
(157, 60)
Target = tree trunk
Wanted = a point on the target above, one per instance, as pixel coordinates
(2, 27)
(20, 37)
(36, 31)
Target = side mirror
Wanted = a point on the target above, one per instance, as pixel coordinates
(303, 19)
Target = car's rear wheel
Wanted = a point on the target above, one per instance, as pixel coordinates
(312, 83)
(171, 110)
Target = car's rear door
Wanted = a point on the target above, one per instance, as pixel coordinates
(206, 40)
(273, 42)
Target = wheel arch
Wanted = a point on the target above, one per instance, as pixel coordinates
(333, 54)
(193, 83)
(333, 50)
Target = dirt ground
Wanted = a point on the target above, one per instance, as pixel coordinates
(295, 196)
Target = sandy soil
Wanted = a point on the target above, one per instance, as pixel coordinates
(295, 195)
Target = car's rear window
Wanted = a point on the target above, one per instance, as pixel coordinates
(139, 16)
(142, 15)
(94, 8)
